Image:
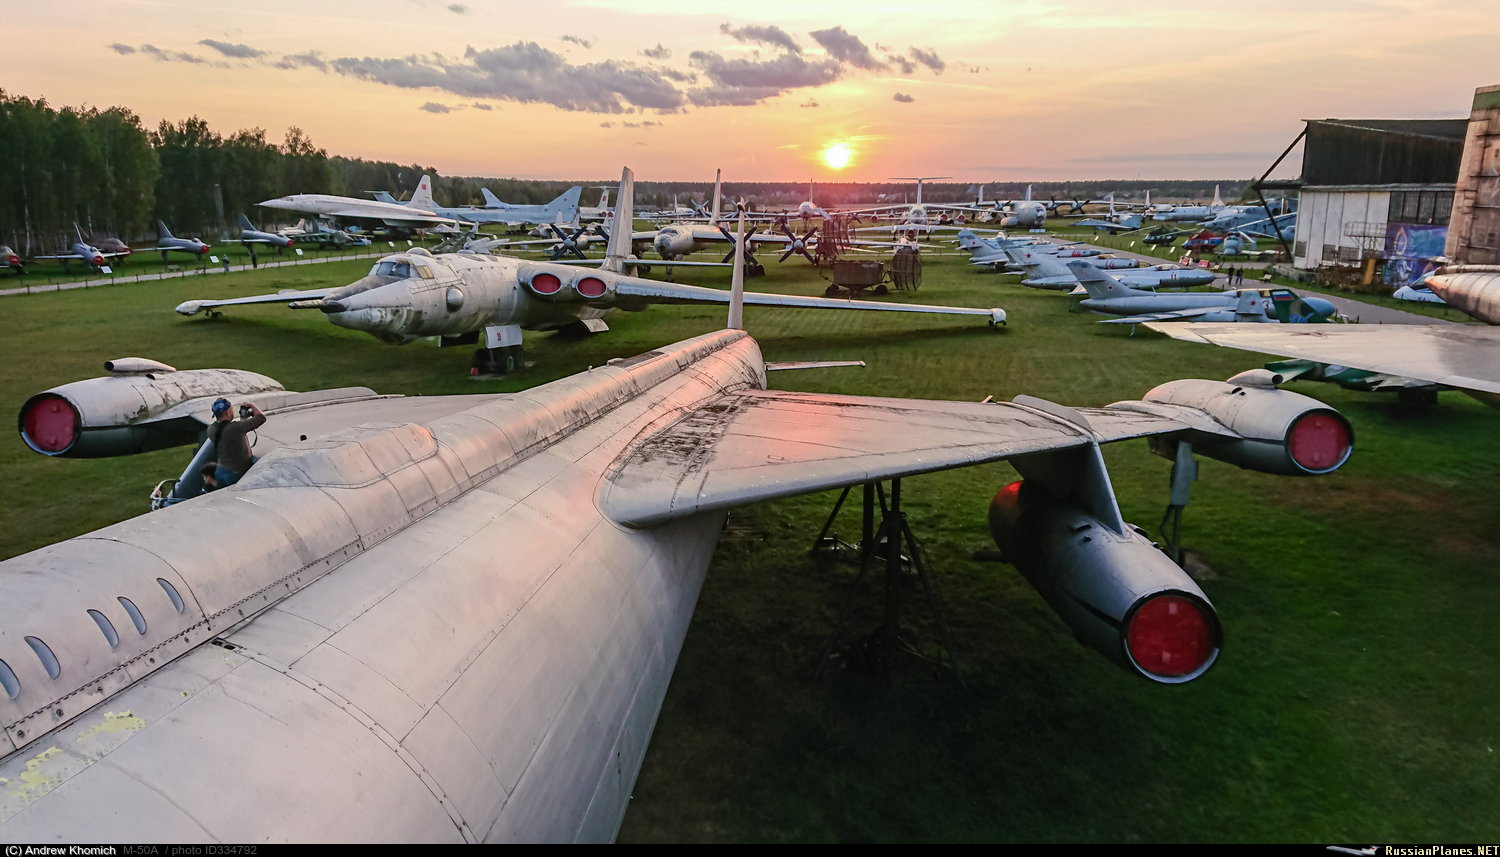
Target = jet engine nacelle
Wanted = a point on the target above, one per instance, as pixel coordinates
(1118, 593)
(1281, 432)
(566, 286)
(143, 406)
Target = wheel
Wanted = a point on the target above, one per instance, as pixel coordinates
(510, 359)
(831, 291)
(881, 290)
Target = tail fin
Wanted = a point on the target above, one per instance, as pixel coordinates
(1218, 201)
(714, 216)
(245, 223)
(1028, 193)
(1036, 264)
(162, 232)
(422, 196)
(624, 225)
(564, 209)
(1100, 285)
(604, 197)
(737, 279)
(383, 196)
(490, 200)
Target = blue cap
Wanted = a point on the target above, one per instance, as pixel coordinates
(221, 405)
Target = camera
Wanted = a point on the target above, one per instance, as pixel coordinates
(244, 411)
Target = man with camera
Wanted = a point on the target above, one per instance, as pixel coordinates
(231, 441)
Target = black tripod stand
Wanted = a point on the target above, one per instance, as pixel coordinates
(885, 544)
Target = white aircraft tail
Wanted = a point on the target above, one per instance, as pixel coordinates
(490, 200)
(737, 279)
(564, 209)
(1218, 201)
(162, 232)
(620, 232)
(604, 197)
(245, 223)
(1028, 193)
(714, 216)
(422, 196)
(1100, 285)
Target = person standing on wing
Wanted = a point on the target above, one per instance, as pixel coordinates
(231, 441)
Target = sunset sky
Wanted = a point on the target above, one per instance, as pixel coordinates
(974, 89)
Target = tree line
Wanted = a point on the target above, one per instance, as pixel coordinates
(109, 174)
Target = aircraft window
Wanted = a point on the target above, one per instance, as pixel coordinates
(424, 272)
(106, 627)
(135, 614)
(9, 681)
(389, 268)
(44, 654)
(172, 594)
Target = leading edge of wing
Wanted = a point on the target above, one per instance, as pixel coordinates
(1453, 355)
(194, 307)
(754, 445)
(658, 292)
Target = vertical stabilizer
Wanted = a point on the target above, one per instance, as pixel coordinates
(490, 200)
(737, 279)
(1100, 285)
(604, 198)
(422, 196)
(162, 232)
(624, 226)
(245, 223)
(1218, 201)
(714, 216)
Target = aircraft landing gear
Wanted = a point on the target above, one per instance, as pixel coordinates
(497, 361)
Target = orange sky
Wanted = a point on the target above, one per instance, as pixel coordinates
(975, 89)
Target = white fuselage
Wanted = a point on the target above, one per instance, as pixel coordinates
(430, 633)
(350, 208)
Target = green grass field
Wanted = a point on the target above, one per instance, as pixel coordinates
(1356, 699)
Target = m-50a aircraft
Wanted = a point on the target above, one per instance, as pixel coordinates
(463, 296)
(454, 619)
(563, 210)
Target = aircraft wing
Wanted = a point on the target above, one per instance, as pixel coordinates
(1105, 224)
(754, 445)
(1454, 355)
(283, 297)
(1175, 315)
(636, 292)
(109, 255)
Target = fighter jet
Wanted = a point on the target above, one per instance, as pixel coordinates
(10, 259)
(1108, 294)
(166, 242)
(1460, 356)
(417, 213)
(461, 296)
(86, 251)
(250, 236)
(1045, 271)
(454, 619)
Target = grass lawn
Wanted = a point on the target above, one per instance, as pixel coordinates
(1357, 698)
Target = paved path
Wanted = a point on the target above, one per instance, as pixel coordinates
(122, 278)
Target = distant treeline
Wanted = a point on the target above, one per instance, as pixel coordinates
(106, 172)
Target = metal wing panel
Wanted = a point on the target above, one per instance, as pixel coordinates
(757, 445)
(656, 291)
(1454, 355)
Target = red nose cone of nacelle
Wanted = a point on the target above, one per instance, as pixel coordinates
(49, 424)
(202, 248)
(1319, 441)
(98, 261)
(1170, 637)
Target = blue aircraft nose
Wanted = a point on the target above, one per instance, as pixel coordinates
(1322, 307)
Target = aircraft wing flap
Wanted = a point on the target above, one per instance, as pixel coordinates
(1453, 355)
(756, 445)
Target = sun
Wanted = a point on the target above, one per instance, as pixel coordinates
(838, 155)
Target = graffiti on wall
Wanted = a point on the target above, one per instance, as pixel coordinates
(1410, 251)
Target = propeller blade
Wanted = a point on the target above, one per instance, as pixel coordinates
(788, 254)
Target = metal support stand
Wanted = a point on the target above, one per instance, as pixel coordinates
(900, 545)
(1184, 471)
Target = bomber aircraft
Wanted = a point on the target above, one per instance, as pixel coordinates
(416, 213)
(563, 210)
(454, 619)
(461, 297)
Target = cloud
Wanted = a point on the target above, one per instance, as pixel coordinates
(903, 98)
(675, 74)
(928, 58)
(303, 60)
(646, 124)
(229, 49)
(657, 53)
(606, 124)
(171, 56)
(458, 8)
(846, 47)
(766, 34)
(524, 72)
(121, 49)
(742, 82)
(578, 40)
(434, 107)
(905, 65)
(480, 105)
(732, 96)
(809, 103)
